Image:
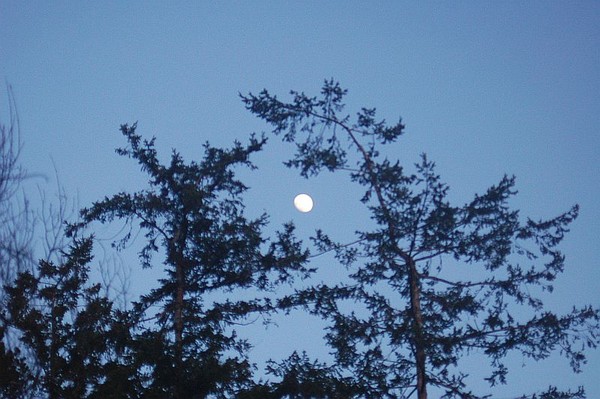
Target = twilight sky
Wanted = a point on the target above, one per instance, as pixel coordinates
(484, 88)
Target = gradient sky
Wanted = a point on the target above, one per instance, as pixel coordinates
(484, 88)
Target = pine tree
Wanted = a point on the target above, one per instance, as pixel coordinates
(421, 319)
(299, 377)
(192, 214)
(63, 325)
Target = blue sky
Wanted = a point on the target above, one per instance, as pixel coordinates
(484, 88)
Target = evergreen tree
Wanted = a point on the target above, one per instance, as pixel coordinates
(192, 214)
(298, 377)
(15, 377)
(63, 325)
(421, 318)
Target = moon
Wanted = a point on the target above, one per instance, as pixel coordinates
(303, 203)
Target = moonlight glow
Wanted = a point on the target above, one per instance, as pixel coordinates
(303, 203)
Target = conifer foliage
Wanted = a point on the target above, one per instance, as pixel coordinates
(64, 327)
(192, 214)
(425, 285)
(437, 281)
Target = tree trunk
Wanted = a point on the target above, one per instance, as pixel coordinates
(415, 304)
(413, 275)
(178, 327)
(179, 240)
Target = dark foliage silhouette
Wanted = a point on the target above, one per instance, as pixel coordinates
(436, 281)
(193, 213)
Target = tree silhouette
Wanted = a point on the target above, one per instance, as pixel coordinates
(436, 281)
(430, 282)
(299, 377)
(16, 217)
(192, 213)
(64, 326)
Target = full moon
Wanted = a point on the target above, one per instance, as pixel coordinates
(303, 203)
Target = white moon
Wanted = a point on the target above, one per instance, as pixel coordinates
(303, 203)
